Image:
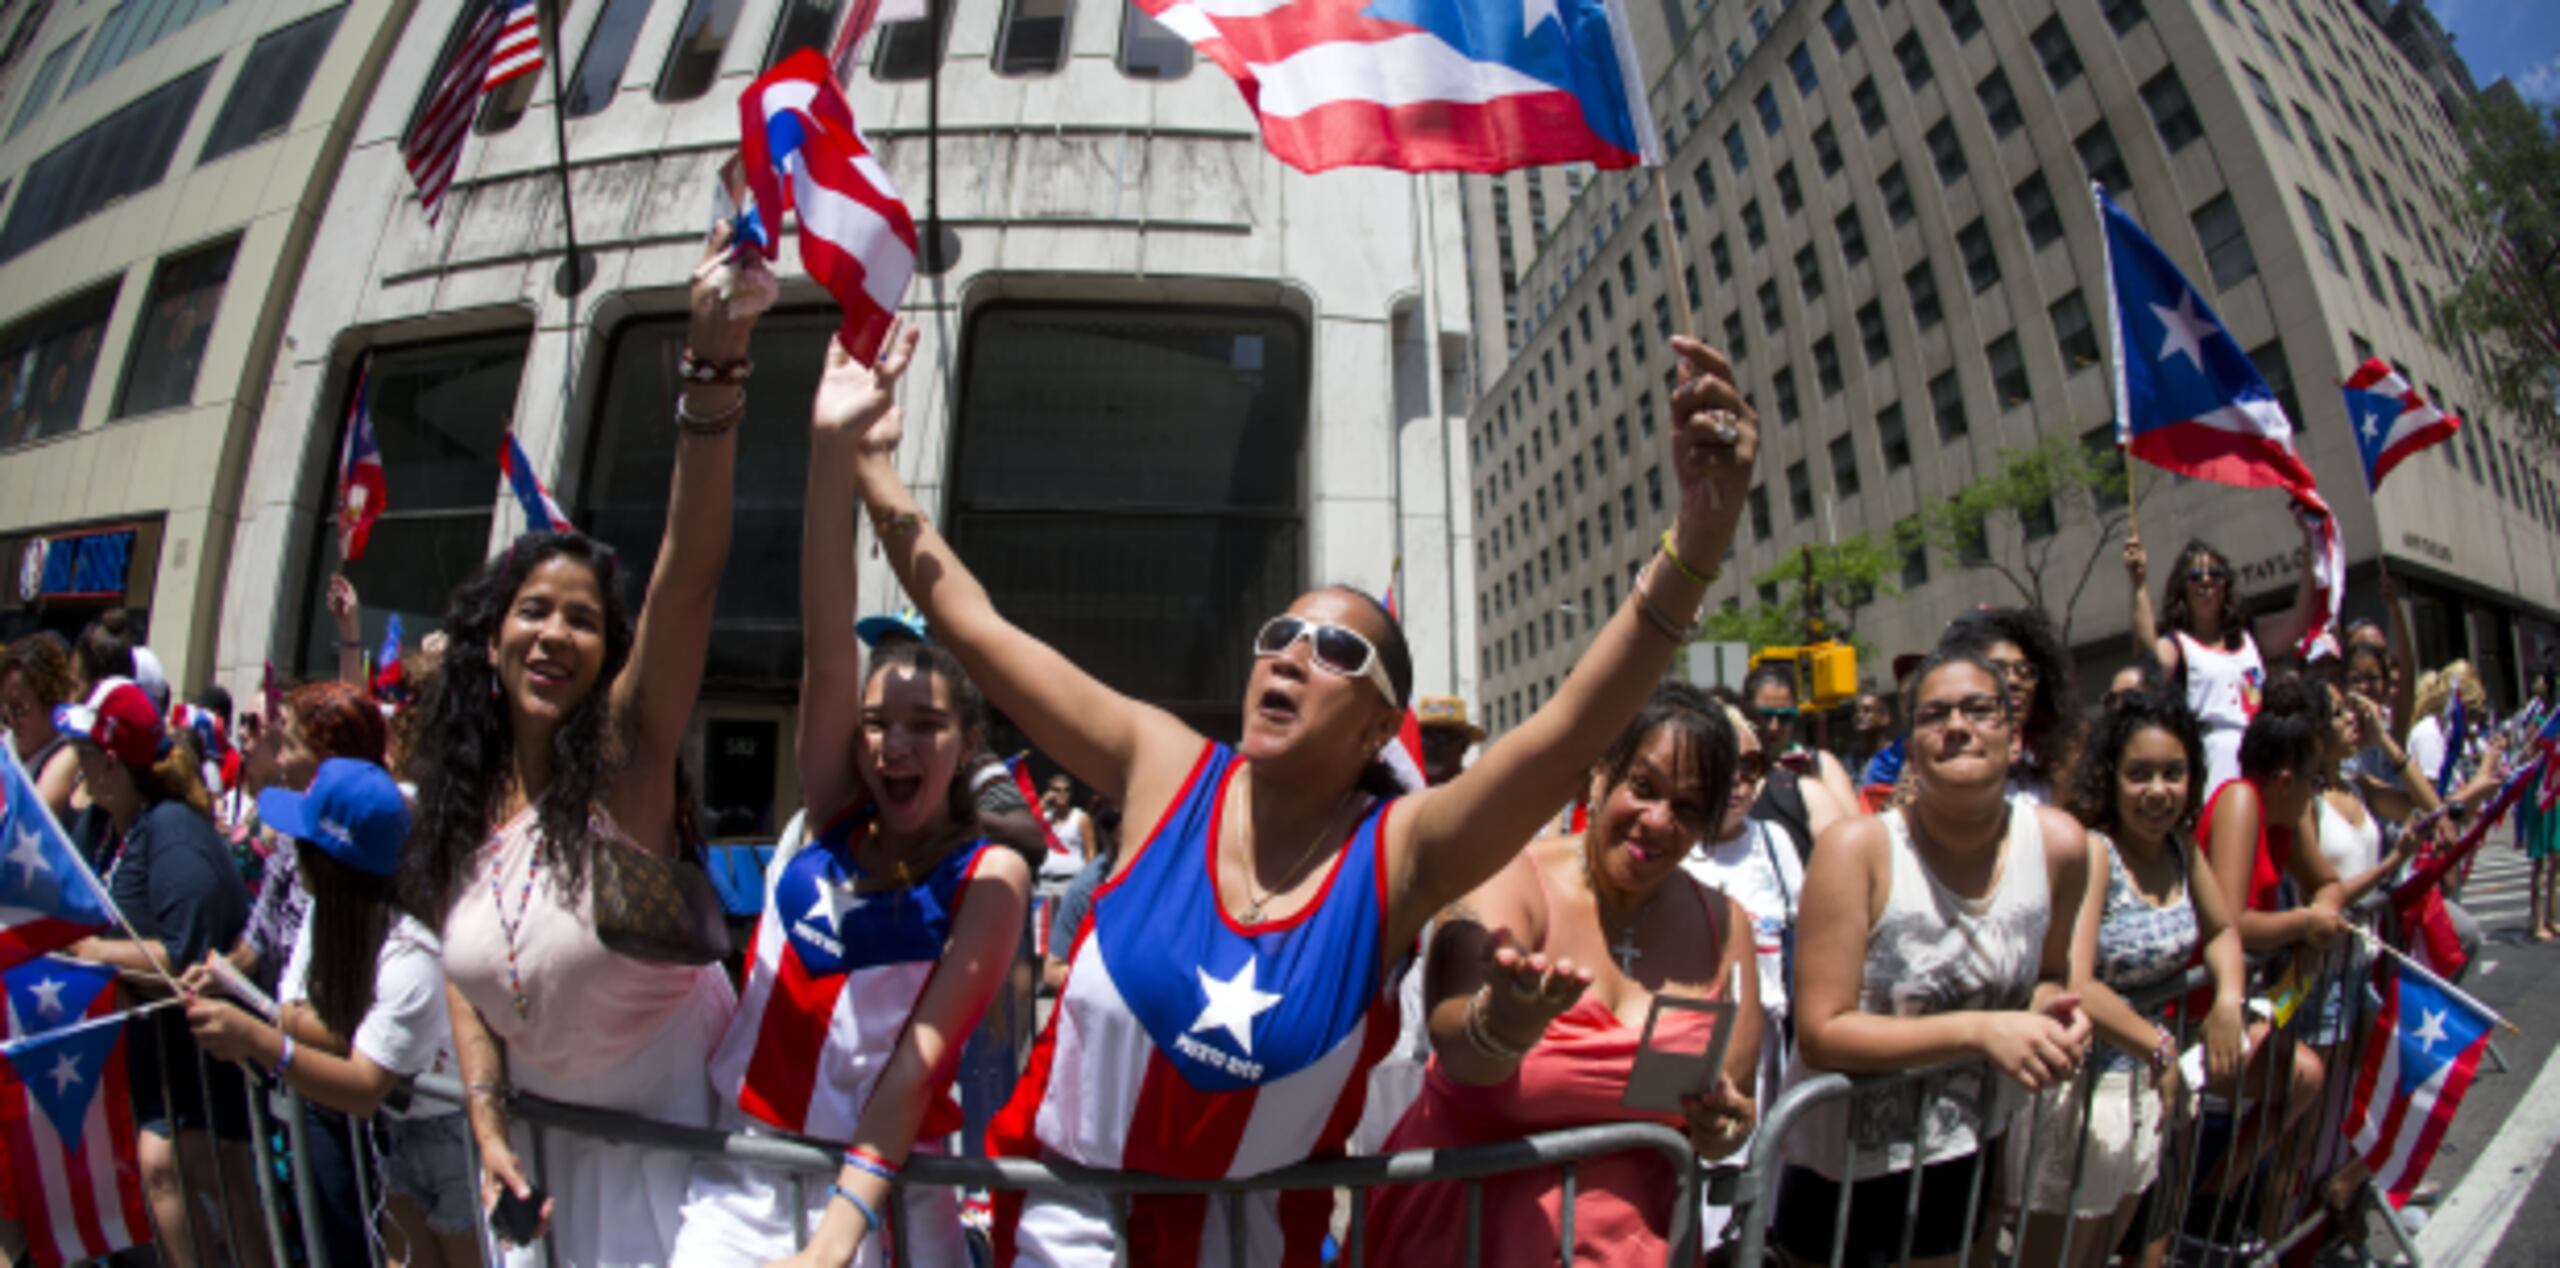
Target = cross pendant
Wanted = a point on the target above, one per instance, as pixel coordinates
(1626, 950)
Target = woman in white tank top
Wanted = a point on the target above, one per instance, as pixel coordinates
(1932, 934)
(2207, 649)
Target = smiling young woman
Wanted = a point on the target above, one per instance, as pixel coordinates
(2207, 649)
(1233, 979)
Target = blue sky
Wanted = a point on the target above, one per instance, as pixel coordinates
(2517, 39)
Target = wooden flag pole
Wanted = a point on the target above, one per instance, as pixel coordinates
(2448, 988)
(1679, 259)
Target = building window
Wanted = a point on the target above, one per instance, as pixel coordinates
(701, 37)
(1844, 34)
(1999, 103)
(2073, 333)
(1915, 555)
(125, 153)
(1800, 64)
(1790, 194)
(905, 50)
(2101, 160)
(1946, 403)
(1705, 177)
(1962, 18)
(2364, 265)
(1772, 317)
(2053, 48)
(805, 24)
(1735, 152)
(2225, 240)
(270, 85)
(1853, 236)
(46, 363)
(1869, 105)
(1799, 492)
(1765, 102)
(1896, 189)
(1946, 152)
(2008, 372)
(2311, 137)
(2266, 95)
(439, 410)
(40, 89)
(1758, 501)
(2320, 231)
(2035, 207)
(2171, 113)
(608, 52)
(1893, 438)
(2122, 15)
(1921, 285)
(1783, 388)
(1033, 39)
(2277, 370)
(177, 319)
(128, 30)
(1914, 61)
(1755, 233)
(1826, 365)
(2099, 443)
(1844, 467)
(1826, 150)
(1720, 258)
(1808, 275)
(1871, 332)
(1981, 263)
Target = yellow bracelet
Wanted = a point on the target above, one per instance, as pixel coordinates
(1685, 569)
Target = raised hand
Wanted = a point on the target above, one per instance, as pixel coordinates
(860, 401)
(344, 608)
(1715, 439)
(2137, 561)
(728, 295)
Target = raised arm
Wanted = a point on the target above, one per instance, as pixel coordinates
(2282, 631)
(653, 697)
(1123, 747)
(2146, 625)
(830, 654)
(972, 967)
(1454, 836)
(347, 615)
(1485, 945)
(2404, 659)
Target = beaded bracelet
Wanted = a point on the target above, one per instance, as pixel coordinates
(717, 424)
(867, 1161)
(1685, 570)
(694, 369)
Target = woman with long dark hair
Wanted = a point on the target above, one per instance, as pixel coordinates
(172, 879)
(2211, 654)
(1239, 966)
(1539, 984)
(550, 738)
(2022, 645)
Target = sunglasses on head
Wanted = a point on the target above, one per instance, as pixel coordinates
(1339, 650)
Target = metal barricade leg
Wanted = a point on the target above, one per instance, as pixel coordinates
(264, 1160)
(1973, 1192)
(306, 1198)
(360, 1142)
(1911, 1189)
(1355, 1242)
(1982, 1162)
(1572, 1185)
(1475, 1224)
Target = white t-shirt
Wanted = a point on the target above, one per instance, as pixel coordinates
(1758, 869)
(407, 1031)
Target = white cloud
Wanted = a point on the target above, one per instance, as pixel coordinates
(2541, 82)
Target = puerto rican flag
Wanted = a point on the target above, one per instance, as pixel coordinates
(361, 486)
(2189, 400)
(804, 154)
(2420, 1060)
(542, 513)
(2391, 420)
(1404, 757)
(1430, 85)
(75, 1188)
(48, 896)
(518, 51)
(1020, 768)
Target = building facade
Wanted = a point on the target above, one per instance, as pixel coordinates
(162, 166)
(1165, 384)
(1880, 212)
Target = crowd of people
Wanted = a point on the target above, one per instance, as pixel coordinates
(1261, 949)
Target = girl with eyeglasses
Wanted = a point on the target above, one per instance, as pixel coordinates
(1234, 979)
(2208, 651)
(885, 937)
(1935, 933)
(1539, 984)
(2021, 645)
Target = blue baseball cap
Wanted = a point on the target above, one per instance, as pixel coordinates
(903, 623)
(354, 812)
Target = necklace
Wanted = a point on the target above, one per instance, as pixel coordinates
(1624, 950)
(1255, 904)
(524, 904)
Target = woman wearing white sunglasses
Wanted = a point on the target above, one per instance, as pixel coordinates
(1232, 981)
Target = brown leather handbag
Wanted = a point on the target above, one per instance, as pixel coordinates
(660, 910)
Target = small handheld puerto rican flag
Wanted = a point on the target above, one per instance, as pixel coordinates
(361, 484)
(2426, 1047)
(66, 1120)
(48, 896)
(804, 154)
(2391, 420)
(542, 513)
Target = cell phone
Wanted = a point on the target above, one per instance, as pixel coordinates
(1684, 1066)
(517, 1219)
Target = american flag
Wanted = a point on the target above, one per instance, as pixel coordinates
(65, 1116)
(2425, 1049)
(519, 47)
(433, 147)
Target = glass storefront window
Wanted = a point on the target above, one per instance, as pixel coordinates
(1129, 483)
(46, 362)
(440, 415)
(168, 349)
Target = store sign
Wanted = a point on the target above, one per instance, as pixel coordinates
(87, 566)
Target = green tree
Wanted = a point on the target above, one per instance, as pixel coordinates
(2507, 215)
(1846, 577)
(2014, 521)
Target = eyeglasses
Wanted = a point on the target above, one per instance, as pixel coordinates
(2208, 575)
(1339, 650)
(1774, 717)
(1750, 768)
(2016, 670)
(1978, 710)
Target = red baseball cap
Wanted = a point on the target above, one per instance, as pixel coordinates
(118, 717)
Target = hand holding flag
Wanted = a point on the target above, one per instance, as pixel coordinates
(803, 153)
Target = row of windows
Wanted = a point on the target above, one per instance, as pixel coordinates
(49, 357)
(127, 30)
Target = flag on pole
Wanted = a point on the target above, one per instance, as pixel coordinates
(2391, 420)
(2425, 1049)
(361, 485)
(48, 896)
(803, 153)
(75, 1187)
(1019, 766)
(542, 513)
(1404, 757)
(2189, 400)
(1430, 85)
(518, 49)
(390, 681)
(432, 148)
(390, 653)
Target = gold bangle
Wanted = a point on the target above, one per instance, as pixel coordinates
(1480, 1035)
(1685, 569)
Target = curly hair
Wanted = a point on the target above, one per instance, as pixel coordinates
(968, 710)
(2177, 613)
(2090, 791)
(338, 720)
(2051, 729)
(43, 661)
(1707, 743)
(465, 752)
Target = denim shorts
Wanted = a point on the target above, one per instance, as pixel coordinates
(429, 1161)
